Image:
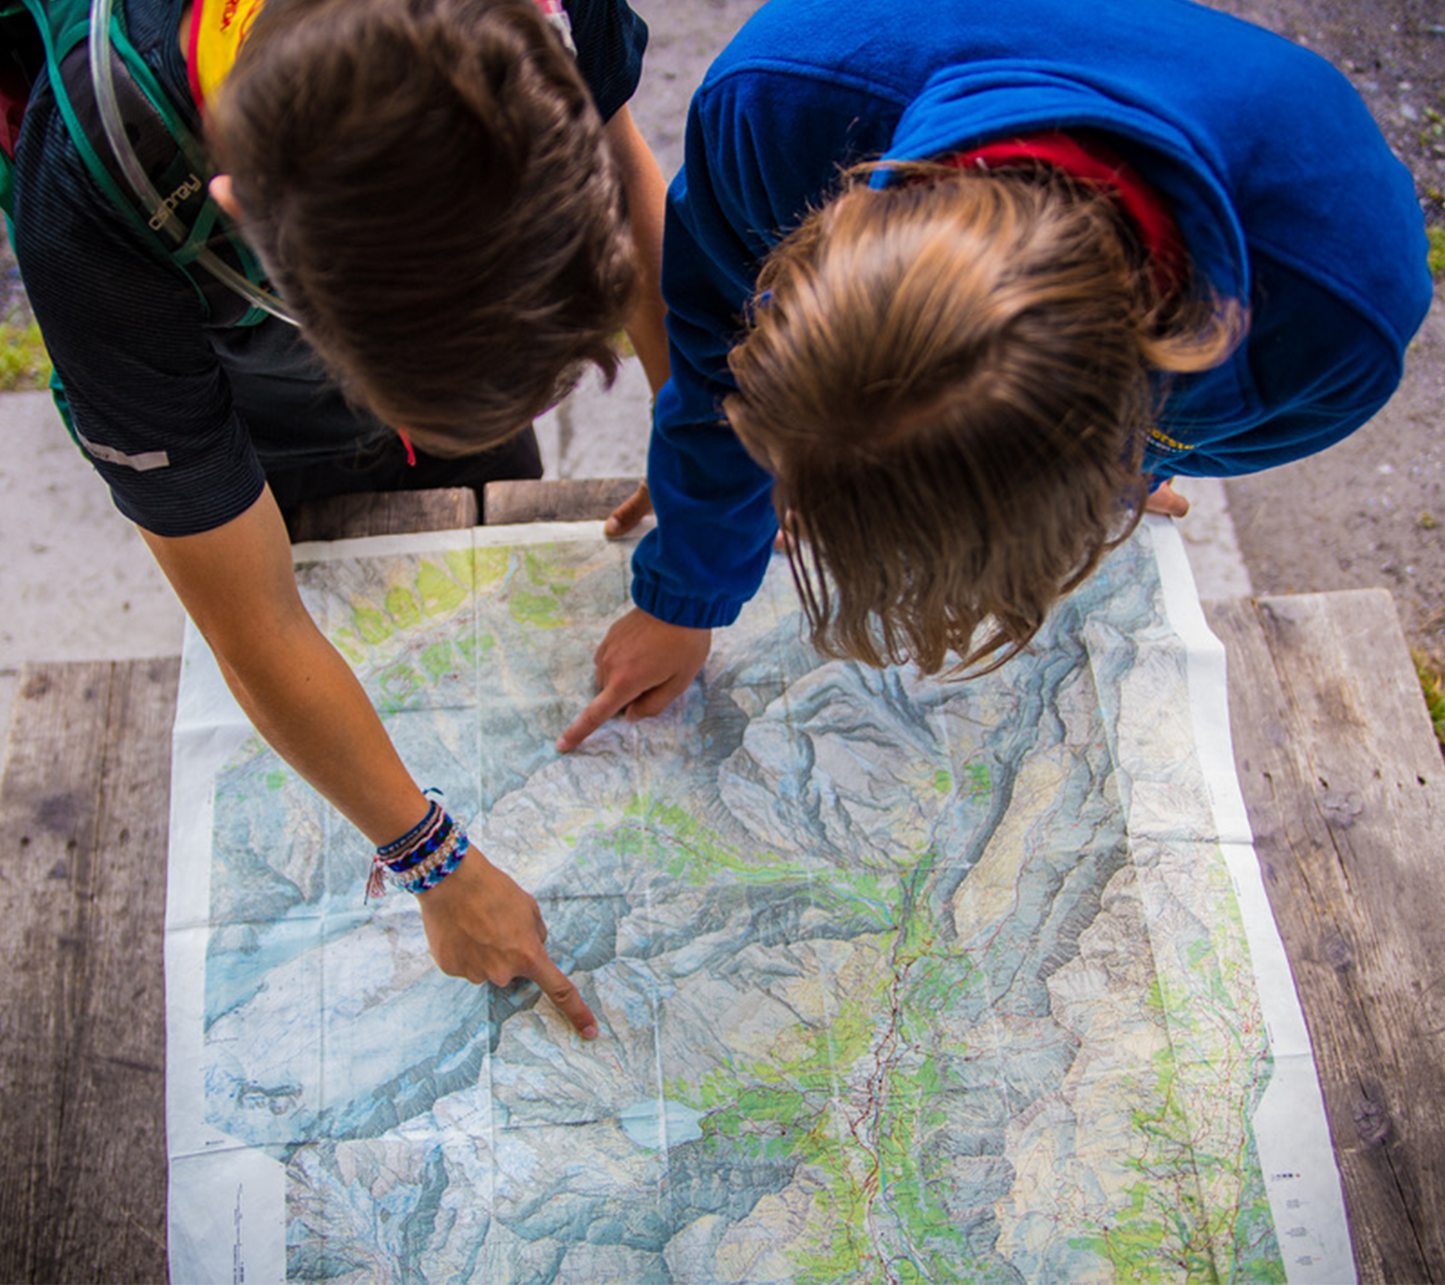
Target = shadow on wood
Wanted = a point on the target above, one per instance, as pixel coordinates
(344, 517)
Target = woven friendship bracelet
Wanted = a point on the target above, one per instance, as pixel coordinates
(433, 876)
(433, 840)
(400, 851)
(429, 861)
(422, 857)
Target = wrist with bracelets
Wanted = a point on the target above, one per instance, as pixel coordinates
(422, 857)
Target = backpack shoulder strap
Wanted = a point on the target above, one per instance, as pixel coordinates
(22, 56)
(140, 152)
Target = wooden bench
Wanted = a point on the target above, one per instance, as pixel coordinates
(1343, 780)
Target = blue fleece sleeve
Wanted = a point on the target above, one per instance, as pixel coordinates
(716, 524)
(1346, 396)
(764, 144)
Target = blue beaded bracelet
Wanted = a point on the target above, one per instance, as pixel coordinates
(389, 851)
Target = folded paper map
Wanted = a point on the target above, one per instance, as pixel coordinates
(899, 979)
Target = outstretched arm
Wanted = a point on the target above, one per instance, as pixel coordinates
(238, 585)
(700, 473)
(646, 201)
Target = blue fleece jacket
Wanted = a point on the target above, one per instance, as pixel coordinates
(1285, 192)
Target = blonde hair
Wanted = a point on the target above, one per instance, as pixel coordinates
(950, 379)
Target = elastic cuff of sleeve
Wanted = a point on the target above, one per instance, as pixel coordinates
(691, 613)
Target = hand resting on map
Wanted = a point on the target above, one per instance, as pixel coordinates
(482, 926)
(629, 513)
(643, 665)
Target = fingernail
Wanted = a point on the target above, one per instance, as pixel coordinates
(561, 746)
(611, 527)
(589, 1032)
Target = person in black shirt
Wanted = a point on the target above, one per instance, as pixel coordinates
(420, 180)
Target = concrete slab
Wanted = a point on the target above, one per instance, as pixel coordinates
(76, 581)
(1209, 540)
(597, 431)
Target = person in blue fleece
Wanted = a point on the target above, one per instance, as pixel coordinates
(1099, 244)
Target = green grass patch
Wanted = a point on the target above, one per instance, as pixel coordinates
(1436, 258)
(24, 363)
(1432, 683)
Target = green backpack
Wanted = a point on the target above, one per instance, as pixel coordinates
(135, 142)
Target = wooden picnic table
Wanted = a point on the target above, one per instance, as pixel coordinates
(1342, 777)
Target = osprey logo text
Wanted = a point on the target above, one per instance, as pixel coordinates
(187, 189)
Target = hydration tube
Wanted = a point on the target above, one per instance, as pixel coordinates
(163, 216)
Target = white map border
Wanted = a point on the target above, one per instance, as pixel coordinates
(1290, 1127)
(245, 1240)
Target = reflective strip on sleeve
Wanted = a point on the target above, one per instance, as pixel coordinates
(142, 463)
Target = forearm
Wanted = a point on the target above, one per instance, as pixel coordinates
(238, 585)
(647, 328)
(304, 700)
(715, 505)
(646, 199)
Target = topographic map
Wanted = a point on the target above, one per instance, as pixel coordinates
(899, 979)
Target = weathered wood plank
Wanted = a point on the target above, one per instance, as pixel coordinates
(47, 819)
(343, 517)
(83, 823)
(572, 500)
(1346, 794)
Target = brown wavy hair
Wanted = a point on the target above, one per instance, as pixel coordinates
(950, 379)
(427, 184)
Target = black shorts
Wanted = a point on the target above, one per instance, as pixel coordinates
(384, 467)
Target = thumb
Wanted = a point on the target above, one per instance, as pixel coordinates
(629, 513)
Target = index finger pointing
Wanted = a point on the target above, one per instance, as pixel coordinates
(602, 707)
(568, 999)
